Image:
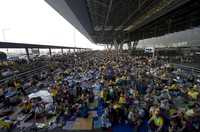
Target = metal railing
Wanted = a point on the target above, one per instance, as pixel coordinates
(187, 68)
(29, 73)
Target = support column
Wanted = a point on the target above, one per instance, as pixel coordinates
(116, 45)
(50, 52)
(135, 43)
(121, 47)
(107, 46)
(38, 51)
(62, 51)
(129, 45)
(27, 54)
(153, 56)
(169, 25)
(111, 46)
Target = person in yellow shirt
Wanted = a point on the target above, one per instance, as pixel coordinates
(17, 84)
(116, 105)
(105, 95)
(122, 99)
(193, 94)
(27, 106)
(111, 83)
(157, 120)
(173, 87)
(54, 92)
(5, 124)
(19, 87)
(101, 93)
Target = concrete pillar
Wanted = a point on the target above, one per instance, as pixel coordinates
(116, 46)
(107, 46)
(121, 46)
(129, 46)
(110, 46)
(27, 54)
(153, 56)
(50, 52)
(38, 51)
(135, 43)
(62, 51)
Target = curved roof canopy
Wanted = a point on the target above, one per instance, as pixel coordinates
(103, 21)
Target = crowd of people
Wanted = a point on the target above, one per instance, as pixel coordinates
(141, 93)
(10, 68)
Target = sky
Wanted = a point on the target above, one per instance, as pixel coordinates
(34, 21)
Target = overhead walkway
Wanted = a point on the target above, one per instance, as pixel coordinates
(25, 46)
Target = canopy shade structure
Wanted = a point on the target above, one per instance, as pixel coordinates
(23, 45)
(31, 46)
(103, 21)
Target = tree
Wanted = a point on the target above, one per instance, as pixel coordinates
(3, 56)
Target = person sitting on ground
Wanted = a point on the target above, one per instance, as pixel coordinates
(105, 122)
(2, 96)
(193, 93)
(83, 110)
(54, 92)
(156, 121)
(122, 99)
(19, 88)
(178, 122)
(26, 106)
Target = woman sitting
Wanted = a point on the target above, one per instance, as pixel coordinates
(156, 121)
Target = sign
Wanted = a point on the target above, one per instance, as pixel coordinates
(149, 50)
